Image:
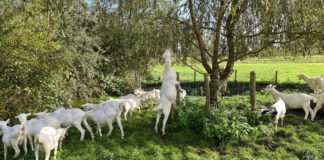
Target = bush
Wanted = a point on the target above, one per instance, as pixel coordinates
(230, 122)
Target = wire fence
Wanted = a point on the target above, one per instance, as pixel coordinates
(238, 83)
(243, 84)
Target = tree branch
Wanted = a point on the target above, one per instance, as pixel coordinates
(190, 66)
(266, 46)
(202, 46)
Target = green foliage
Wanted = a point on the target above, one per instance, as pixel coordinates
(30, 60)
(132, 37)
(50, 53)
(231, 122)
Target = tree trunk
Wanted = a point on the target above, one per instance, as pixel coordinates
(214, 90)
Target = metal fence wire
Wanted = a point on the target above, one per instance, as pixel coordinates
(238, 83)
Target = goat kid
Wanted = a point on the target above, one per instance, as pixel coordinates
(278, 110)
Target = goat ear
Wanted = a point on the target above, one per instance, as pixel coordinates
(274, 86)
(7, 121)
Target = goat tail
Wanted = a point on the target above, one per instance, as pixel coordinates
(36, 141)
(121, 106)
(157, 108)
(84, 120)
(23, 129)
(87, 113)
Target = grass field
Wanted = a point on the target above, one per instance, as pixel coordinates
(297, 139)
(265, 69)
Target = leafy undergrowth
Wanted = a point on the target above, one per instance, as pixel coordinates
(297, 139)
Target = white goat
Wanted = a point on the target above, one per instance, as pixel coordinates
(157, 93)
(183, 93)
(293, 101)
(278, 110)
(23, 120)
(73, 117)
(90, 106)
(150, 96)
(128, 105)
(138, 91)
(34, 126)
(319, 104)
(12, 137)
(106, 113)
(61, 132)
(168, 91)
(49, 139)
(315, 83)
(133, 97)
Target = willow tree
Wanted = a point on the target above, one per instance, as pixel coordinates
(132, 39)
(216, 33)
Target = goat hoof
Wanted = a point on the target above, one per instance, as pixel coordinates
(156, 131)
(122, 137)
(16, 155)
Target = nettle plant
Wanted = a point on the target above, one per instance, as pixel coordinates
(231, 122)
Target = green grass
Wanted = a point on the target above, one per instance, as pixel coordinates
(297, 139)
(265, 69)
(141, 142)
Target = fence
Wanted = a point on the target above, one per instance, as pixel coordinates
(238, 83)
(244, 85)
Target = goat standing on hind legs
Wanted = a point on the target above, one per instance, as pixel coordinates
(315, 83)
(168, 92)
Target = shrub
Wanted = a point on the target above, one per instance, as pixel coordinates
(229, 122)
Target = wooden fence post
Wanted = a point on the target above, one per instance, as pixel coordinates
(235, 76)
(207, 95)
(178, 89)
(177, 99)
(253, 90)
(201, 91)
(195, 79)
(276, 80)
(138, 79)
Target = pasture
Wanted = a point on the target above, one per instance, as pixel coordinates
(56, 56)
(265, 68)
(297, 139)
